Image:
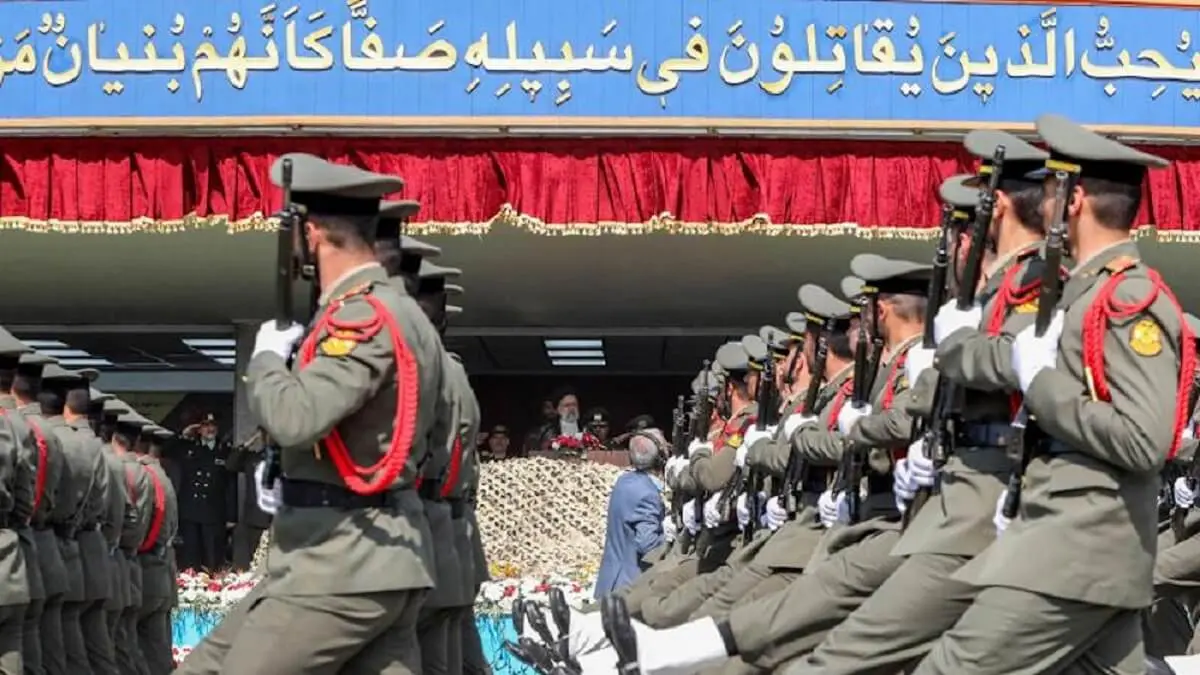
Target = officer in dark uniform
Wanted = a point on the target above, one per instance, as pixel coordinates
(207, 496)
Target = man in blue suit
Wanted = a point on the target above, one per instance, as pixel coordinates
(637, 522)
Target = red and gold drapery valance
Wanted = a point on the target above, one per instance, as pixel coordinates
(553, 186)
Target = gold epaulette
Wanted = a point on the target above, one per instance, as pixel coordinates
(1121, 264)
(361, 289)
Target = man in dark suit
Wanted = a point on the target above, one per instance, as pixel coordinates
(207, 496)
(636, 515)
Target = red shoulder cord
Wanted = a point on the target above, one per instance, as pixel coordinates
(374, 479)
(456, 455)
(839, 402)
(1106, 308)
(737, 429)
(43, 450)
(889, 388)
(159, 513)
(1008, 297)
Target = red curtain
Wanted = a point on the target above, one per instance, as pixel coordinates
(554, 185)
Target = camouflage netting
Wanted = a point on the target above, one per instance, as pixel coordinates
(538, 516)
(544, 516)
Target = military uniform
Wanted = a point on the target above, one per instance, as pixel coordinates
(55, 580)
(17, 482)
(117, 516)
(207, 501)
(350, 557)
(158, 581)
(1061, 588)
(252, 521)
(898, 624)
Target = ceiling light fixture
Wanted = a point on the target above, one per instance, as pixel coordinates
(85, 363)
(219, 353)
(61, 354)
(574, 344)
(200, 344)
(575, 353)
(226, 361)
(46, 344)
(581, 363)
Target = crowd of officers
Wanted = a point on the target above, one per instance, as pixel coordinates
(370, 467)
(87, 518)
(949, 479)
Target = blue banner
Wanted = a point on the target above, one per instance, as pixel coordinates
(733, 63)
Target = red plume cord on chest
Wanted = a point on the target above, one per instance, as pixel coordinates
(839, 402)
(1010, 296)
(374, 479)
(1106, 308)
(43, 451)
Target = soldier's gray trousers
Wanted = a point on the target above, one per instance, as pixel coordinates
(72, 633)
(1007, 631)
(898, 625)
(31, 638)
(101, 654)
(780, 627)
(1176, 591)
(370, 634)
(474, 661)
(129, 651)
(12, 618)
(154, 635)
(440, 640)
(50, 629)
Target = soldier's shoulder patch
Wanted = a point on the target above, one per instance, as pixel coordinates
(1146, 338)
(1026, 307)
(337, 346)
(735, 441)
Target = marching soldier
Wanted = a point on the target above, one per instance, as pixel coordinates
(82, 503)
(158, 581)
(50, 494)
(17, 482)
(11, 351)
(921, 599)
(350, 553)
(140, 491)
(1104, 384)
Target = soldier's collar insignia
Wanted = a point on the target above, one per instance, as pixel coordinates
(735, 441)
(1145, 339)
(1026, 307)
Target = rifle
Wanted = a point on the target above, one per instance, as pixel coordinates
(797, 469)
(1047, 304)
(943, 421)
(678, 449)
(287, 267)
(852, 459)
(700, 433)
(768, 411)
(1179, 515)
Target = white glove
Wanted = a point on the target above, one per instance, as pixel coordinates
(753, 436)
(903, 485)
(690, 522)
(1189, 432)
(793, 423)
(743, 511)
(998, 518)
(669, 529)
(1185, 496)
(775, 515)
(950, 319)
(696, 445)
(833, 509)
(848, 416)
(674, 467)
(1031, 354)
(712, 511)
(917, 361)
(920, 466)
(271, 339)
(268, 499)
(739, 457)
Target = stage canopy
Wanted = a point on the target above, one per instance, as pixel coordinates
(551, 186)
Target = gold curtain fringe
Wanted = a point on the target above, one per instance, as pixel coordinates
(663, 223)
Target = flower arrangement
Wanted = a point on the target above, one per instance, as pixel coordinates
(575, 443)
(204, 592)
(496, 597)
(180, 653)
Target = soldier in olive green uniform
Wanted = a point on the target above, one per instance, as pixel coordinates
(1062, 586)
(103, 412)
(55, 582)
(921, 600)
(158, 581)
(713, 468)
(65, 399)
(11, 350)
(140, 491)
(17, 476)
(350, 557)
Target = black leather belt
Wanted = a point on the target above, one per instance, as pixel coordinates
(430, 490)
(64, 531)
(303, 494)
(458, 508)
(985, 435)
